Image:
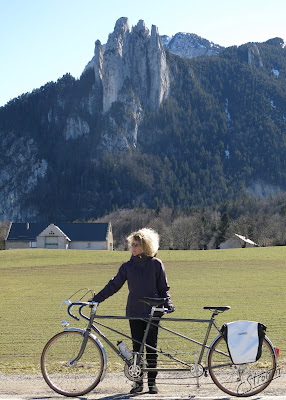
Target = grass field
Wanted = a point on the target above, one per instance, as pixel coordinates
(34, 283)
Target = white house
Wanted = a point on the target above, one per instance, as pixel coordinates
(82, 236)
(237, 241)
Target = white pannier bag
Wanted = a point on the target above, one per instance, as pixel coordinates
(244, 340)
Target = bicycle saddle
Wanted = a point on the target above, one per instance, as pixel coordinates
(153, 302)
(222, 309)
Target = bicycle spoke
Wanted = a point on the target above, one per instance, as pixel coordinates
(241, 380)
(62, 373)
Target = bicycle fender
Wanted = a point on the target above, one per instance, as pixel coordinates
(99, 344)
(273, 347)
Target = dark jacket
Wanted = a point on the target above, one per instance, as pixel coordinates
(146, 277)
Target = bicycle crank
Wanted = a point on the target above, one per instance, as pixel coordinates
(134, 372)
(197, 370)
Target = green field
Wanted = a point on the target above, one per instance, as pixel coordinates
(34, 283)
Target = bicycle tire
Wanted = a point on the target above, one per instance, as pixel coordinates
(74, 379)
(241, 380)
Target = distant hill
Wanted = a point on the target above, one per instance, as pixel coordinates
(144, 127)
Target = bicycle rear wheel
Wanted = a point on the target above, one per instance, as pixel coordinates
(72, 378)
(241, 380)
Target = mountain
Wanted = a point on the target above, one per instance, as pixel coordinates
(190, 45)
(144, 127)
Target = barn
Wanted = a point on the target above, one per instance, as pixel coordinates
(81, 236)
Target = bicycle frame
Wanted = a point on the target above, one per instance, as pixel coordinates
(150, 321)
(64, 374)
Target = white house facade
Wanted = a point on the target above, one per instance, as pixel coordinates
(52, 238)
(81, 236)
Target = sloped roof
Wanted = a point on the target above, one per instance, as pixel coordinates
(244, 239)
(85, 232)
(24, 231)
(81, 232)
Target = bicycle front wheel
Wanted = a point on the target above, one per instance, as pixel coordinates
(62, 373)
(241, 380)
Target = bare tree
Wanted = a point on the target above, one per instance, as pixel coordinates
(164, 231)
(279, 230)
(186, 233)
(265, 230)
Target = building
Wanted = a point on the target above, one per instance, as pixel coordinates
(81, 236)
(236, 242)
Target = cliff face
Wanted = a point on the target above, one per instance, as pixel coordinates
(135, 59)
(254, 57)
(21, 169)
(134, 76)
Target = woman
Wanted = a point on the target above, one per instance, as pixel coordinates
(146, 277)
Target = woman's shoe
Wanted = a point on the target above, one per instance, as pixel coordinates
(138, 388)
(153, 388)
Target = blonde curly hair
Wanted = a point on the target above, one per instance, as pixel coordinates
(148, 240)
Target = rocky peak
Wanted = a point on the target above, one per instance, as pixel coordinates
(117, 37)
(134, 74)
(160, 81)
(141, 28)
(190, 45)
(130, 69)
(112, 66)
(98, 61)
(137, 58)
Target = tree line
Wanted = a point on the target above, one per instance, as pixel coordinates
(261, 220)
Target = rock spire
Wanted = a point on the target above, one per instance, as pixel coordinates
(132, 60)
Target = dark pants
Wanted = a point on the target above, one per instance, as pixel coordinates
(137, 328)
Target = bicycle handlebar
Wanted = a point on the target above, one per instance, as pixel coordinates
(80, 304)
(91, 304)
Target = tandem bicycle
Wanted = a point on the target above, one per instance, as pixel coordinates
(74, 361)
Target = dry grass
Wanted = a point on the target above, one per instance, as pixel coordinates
(34, 283)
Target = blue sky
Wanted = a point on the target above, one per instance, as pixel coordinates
(41, 40)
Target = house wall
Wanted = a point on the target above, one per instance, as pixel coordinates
(88, 245)
(62, 242)
(232, 243)
(235, 243)
(10, 244)
(249, 245)
(109, 238)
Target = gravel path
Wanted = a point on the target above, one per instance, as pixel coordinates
(116, 387)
